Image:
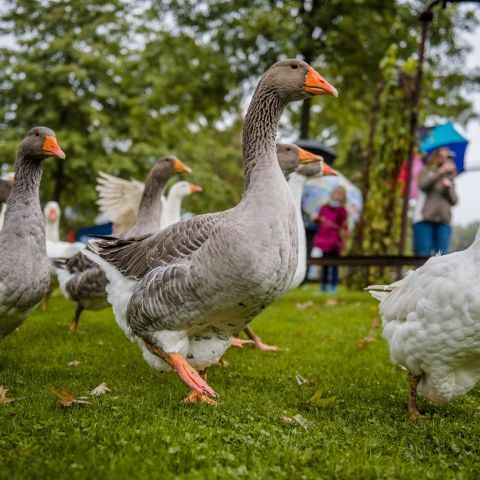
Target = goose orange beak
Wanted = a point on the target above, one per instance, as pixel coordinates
(51, 148)
(180, 167)
(52, 215)
(305, 156)
(195, 188)
(315, 84)
(328, 171)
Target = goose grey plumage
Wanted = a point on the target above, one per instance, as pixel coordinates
(82, 280)
(24, 266)
(297, 165)
(184, 292)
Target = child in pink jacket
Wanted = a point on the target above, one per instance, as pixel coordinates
(330, 236)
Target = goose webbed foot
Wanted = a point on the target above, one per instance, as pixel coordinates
(240, 342)
(184, 370)
(413, 411)
(76, 319)
(195, 397)
(257, 341)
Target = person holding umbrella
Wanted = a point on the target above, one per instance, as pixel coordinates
(433, 210)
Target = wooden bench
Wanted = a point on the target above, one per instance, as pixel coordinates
(370, 261)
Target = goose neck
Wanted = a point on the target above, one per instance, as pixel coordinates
(259, 134)
(52, 230)
(24, 198)
(149, 211)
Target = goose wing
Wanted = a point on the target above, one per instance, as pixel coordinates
(119, 199)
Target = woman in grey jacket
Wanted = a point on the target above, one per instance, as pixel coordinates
(433, 211)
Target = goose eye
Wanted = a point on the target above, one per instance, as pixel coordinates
(294, 66)
(36, 133)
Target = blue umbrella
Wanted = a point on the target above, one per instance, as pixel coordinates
(445, 135)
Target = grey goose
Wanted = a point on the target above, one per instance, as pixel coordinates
(24, 265)
(184, 292)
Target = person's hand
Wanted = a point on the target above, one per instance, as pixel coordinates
(448, 168)
(446, 183)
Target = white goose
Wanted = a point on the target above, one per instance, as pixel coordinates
(55, 247)
(431, 320)
(184, 292)
(120, 199)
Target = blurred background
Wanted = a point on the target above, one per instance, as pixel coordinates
(123, 83)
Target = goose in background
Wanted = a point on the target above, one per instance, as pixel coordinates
(55, 247)
(82, 280)
(431, 321)
(24, 265)
(119, 200)
(6, 183)
(297, 165)
(184, 292)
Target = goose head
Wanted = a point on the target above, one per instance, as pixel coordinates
(290, 156)
(294, 80)
(40, 143)
(313, 169)
(183, 189)
(166, 167)
(52, 212)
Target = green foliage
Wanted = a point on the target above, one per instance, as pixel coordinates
(384, 202)
(123, 83)
(265, 426)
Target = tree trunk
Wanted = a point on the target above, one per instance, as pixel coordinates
(305, 119)
(59, 180)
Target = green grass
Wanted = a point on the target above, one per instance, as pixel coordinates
(142, 430)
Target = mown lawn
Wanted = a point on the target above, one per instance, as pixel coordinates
(265, 425)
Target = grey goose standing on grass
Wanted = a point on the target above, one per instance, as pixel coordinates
(24, 265)
(82, 280)
(184, 292)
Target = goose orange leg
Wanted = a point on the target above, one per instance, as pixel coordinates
(413, 412)
(240, 342)
(257, 341)
(185, 371)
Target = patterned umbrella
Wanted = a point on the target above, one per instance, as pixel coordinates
(318, 190)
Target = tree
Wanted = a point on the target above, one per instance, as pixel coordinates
(65, 71)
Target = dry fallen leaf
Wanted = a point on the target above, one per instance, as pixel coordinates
(301, 380)
(66, 399)
(74, 363)
(304, 305)
(101, 389)
(296, 419)
(331, 302)
(376, 323)
(362, 344)
(4, 400)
